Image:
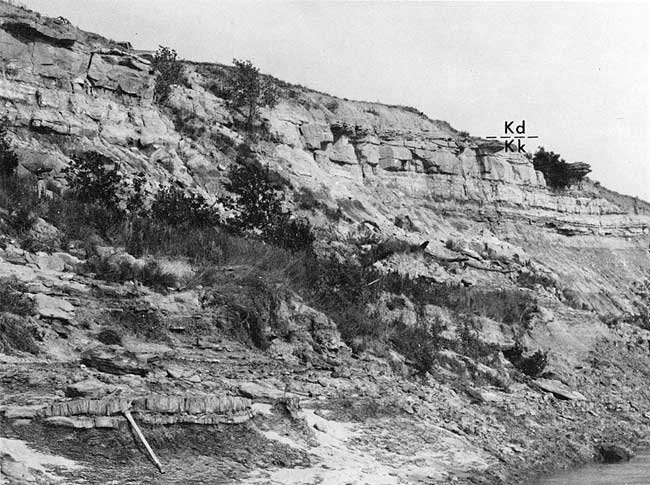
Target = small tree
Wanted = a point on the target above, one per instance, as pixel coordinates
(557, 172)
(169, 69)
(250, 90)
(257, 205)
(95, 179)
(8, 158)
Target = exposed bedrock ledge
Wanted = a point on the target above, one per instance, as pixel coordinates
(51, 32)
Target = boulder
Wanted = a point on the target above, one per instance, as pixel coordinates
(307, 326)
(342, 152)
(53, 307)
(49, 262)
(368, 153)
(559, 389)
(14, 471)
(113, 359)
(44, 234)
(314, 134)
(91, 388)
(578, 170)
(70, 262)
(392, 157)
(443, 161)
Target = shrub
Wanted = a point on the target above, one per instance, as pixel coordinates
(21, 199)
(140, 320)
(8, 158)
(332, 105)
(251, 308)
(469, 343)
(13, 299)
(136, 202)
(172, 206)
(557, 172)
(463, 135)
(250, 90)
(109, 337)
(532, 365)
(169, 70)
(16, 334)
(95, 179)
(79, 221)
(293, 235)
(257, 208)
(418, 343)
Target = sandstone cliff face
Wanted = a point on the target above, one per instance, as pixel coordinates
(64, 90)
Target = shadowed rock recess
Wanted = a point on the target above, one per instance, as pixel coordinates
(502, 332)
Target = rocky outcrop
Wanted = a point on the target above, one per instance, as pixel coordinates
(64, 88)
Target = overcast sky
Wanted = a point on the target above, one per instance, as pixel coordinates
(578, 73)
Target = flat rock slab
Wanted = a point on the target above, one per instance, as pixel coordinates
(113, 359)
(256, 391)
(49, 262)
(89, 388)
(559, 390)
(52, 307)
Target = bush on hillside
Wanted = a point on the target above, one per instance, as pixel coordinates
(419, 344)
(169, 72)
(257, 209)
(92, 202)
(16, 334)
(532, 365)
(21, 199)
(8, 158)
(558, 173)
(13, 299)
(248, 89)
(172, 206)
(138, 320)
(94, 178)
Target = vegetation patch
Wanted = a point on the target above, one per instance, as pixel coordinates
(137, 319)
(169, 72)
(532, 365)
(16, 334)
(558, 173)
(13, 299)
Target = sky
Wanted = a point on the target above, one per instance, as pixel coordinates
(578, 73)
